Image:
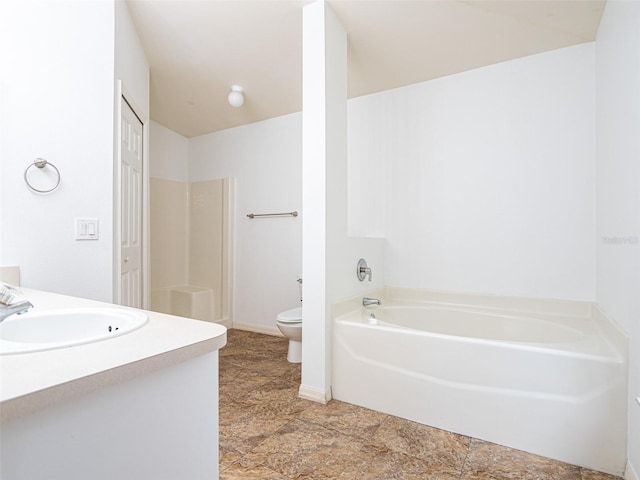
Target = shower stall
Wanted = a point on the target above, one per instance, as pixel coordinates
(191, 248)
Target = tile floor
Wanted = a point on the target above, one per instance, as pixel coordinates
(268, 433)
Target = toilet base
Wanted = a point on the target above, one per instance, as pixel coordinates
(294, 355)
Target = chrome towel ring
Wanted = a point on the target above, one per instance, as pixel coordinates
(41, 163)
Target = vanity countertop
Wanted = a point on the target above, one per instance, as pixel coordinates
(33, 381)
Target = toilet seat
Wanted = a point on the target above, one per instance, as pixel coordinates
(290, 316)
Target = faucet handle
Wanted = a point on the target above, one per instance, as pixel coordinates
(362, 271)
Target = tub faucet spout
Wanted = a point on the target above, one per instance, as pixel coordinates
(366, 301)
(17, 308)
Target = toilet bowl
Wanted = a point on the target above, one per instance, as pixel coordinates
(289, 323)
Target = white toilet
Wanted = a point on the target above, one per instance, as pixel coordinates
(290, 324)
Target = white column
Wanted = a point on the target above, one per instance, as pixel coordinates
(324, 197)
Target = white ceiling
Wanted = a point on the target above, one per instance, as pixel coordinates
(198, 49)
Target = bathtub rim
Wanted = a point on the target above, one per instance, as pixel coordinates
(606, 326)
(613, 356)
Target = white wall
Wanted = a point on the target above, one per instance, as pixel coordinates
(2, 75)
(324, 180)
(265, 160)
(618, 187)
(57, 87)
(131, 64)
(132, 83)
(58, 103)
(169, 153)
(482, 181)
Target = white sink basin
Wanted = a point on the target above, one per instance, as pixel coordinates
(47, 330)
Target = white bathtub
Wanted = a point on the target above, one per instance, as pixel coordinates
(547, 377)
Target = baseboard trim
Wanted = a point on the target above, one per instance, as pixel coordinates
(250, 327)
(314, 394)
(225, 322)
(630, 473)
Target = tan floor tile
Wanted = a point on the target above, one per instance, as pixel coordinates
(344, 417)
(243, 470)
(227, 458)
(383, 463)
(283, 402)
(251, 362)
(241, 381)
(239, 341)
(255, 344)
(287, 377)
(303, 450)
(306, 451)
(244, 427)
(444, 451)
(490, 461)
(265, 366)
(593, 475)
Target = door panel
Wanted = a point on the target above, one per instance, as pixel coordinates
(131, 205)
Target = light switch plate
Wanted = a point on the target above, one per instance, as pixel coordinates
(86, 228)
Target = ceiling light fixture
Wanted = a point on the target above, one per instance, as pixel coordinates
(236, 97)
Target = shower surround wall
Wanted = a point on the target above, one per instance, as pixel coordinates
(190, 250)
(189, 261)
(483, 181)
